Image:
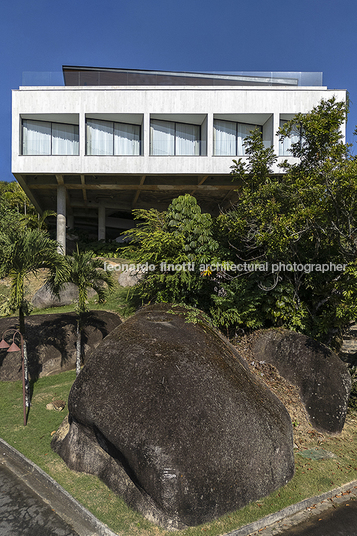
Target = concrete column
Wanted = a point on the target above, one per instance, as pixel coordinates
(61, 218)
(146, 134)
(82, 134)
(210, 135)
(101, 222)
(276, 125)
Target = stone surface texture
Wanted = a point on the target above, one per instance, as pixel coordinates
(44, 298)
(51, 342)
(169, 416)
(23, 513)
(130, 278)
(322, 378)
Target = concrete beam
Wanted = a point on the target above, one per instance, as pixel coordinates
(141, 187)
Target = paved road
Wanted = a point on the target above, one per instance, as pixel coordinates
(23, 513)
(338, 521)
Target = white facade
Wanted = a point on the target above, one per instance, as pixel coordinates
(158, 142)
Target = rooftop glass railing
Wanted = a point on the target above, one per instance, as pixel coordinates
(96, 76)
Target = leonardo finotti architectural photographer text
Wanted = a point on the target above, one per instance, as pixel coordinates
(226, 267)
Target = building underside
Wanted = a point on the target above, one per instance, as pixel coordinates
(119, 195)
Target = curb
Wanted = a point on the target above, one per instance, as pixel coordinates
(86, 524)
(290, 510)
(70, 510)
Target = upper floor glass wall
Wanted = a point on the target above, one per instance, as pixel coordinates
(54, 136)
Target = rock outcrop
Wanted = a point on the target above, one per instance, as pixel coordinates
(169, 416)
(322, 378)
(51, 342)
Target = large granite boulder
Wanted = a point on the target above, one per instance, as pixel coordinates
(169, 416)
(51, 342)
(322, 378)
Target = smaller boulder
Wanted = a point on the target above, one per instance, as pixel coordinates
(51, 342)
(44, 298)
(321, 377)
(129, 278)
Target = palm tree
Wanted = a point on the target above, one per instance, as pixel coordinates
(35, 221)
(16, 198)
(24, 252)
(85, 271)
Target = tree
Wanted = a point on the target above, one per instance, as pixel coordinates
(26, 252)
(35, 221)
(16, 198)
(86, 272)
(306, 217)
(174, 243)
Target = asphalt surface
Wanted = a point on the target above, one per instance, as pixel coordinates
(33, 504)
(340, 520)
(23, 513)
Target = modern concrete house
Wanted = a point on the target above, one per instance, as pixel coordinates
(111, 140)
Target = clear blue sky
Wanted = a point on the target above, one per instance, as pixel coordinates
(185, 35)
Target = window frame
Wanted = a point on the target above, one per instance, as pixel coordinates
(23, 120)
(199, 140)
(113, 123)
(237, 123)
(297, 132)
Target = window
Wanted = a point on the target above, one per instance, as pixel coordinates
(111, 138)
(285, 145)
(228, 137)
(46, 138)
(170, 138)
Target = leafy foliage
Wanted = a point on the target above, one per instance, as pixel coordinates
(86, 272)
(24, 253)
(308, 216)
(182, 236)
(36, 221)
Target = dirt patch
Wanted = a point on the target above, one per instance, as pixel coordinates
(33, 282)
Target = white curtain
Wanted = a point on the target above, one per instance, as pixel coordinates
(99, 137)
(126, 139)
(36, 137)
(187, 139)
(285, 145)
(65, 139)
(225, 138)
(243, 130)
(162, 137)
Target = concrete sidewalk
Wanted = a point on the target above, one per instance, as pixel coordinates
(78, 519)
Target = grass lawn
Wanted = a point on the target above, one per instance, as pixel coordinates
(312, 477)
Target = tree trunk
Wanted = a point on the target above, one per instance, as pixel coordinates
(26, 366)
(78, 350)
